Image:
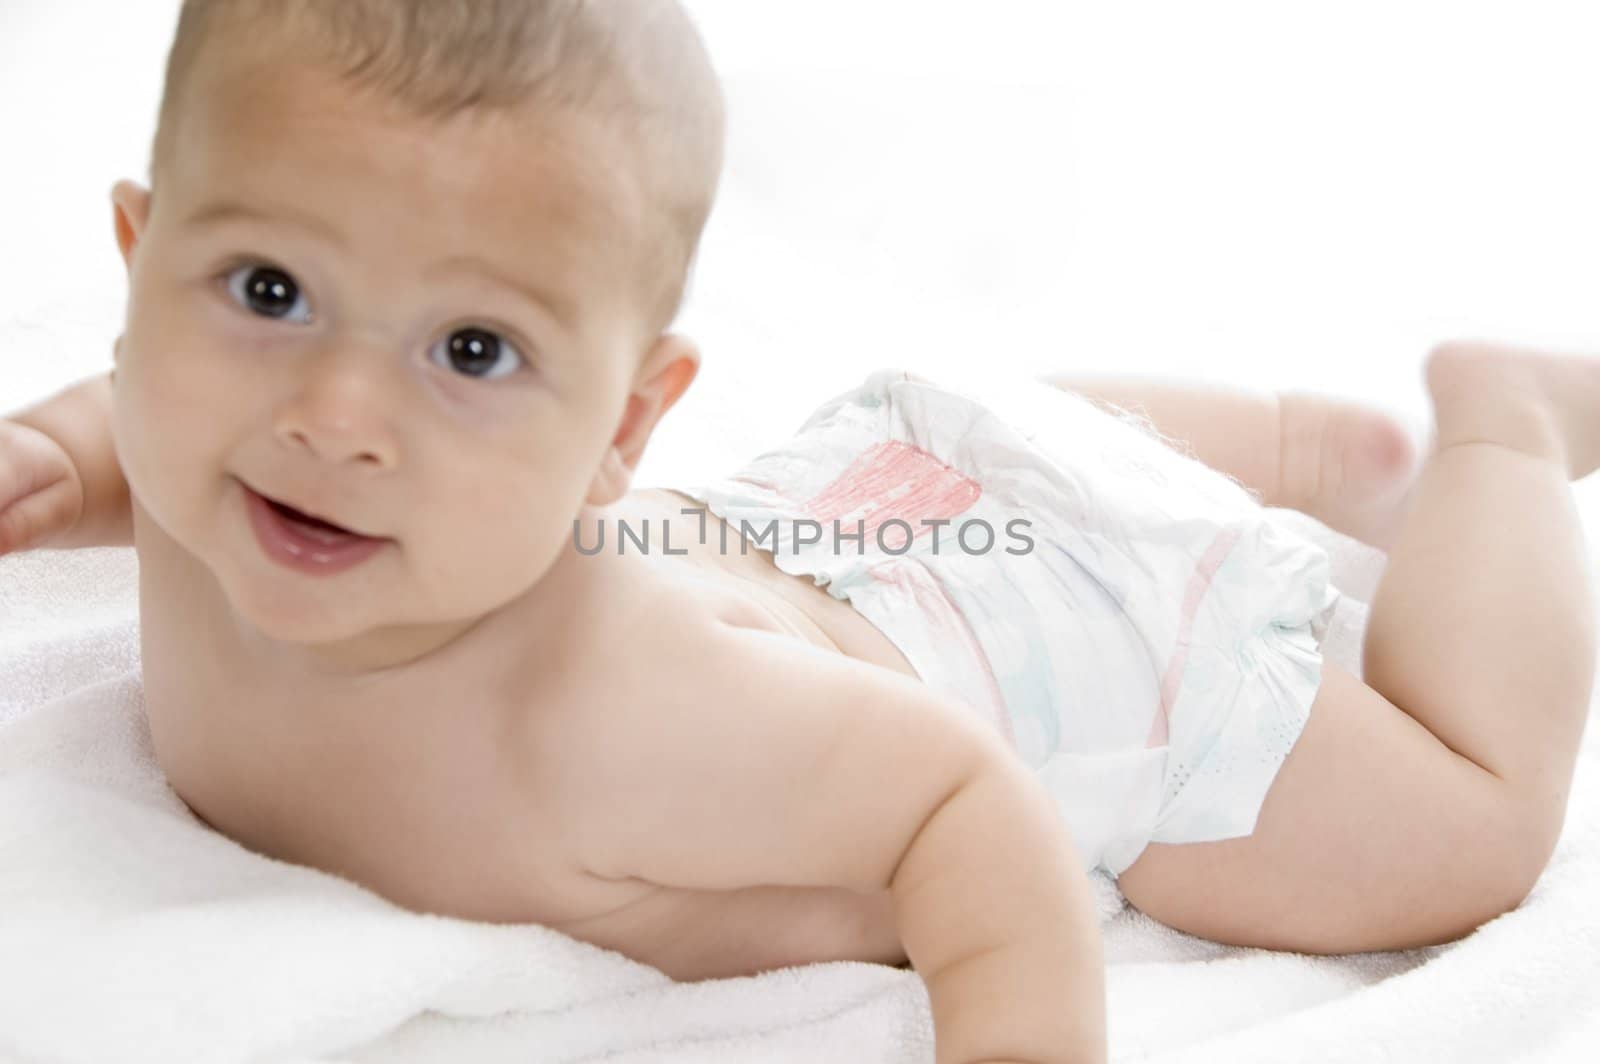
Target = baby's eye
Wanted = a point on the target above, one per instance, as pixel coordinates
(266, 290)
(472, 350)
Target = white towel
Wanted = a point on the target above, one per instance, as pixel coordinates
(130, 932)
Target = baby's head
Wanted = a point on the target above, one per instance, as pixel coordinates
(409, 265)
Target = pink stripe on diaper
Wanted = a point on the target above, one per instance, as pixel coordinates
(894, 480)
(1204, 571)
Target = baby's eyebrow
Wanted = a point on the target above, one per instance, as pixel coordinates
(222, 212)
(557, 301)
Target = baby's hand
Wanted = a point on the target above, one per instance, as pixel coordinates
(41, 493)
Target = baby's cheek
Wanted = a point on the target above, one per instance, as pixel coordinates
(493, 561)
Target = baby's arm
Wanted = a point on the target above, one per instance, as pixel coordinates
(747, 758)
(78, 418)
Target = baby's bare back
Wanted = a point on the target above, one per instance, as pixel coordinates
(437, 787)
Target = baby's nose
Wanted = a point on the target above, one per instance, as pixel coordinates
(341, 413)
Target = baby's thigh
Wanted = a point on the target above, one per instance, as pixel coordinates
(1374, 835)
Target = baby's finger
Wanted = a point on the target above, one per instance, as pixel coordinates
(32, 521)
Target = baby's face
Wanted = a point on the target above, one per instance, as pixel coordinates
(419, 331)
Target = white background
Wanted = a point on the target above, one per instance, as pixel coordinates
(1279, 194)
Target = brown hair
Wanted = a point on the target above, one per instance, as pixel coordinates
(638, 63)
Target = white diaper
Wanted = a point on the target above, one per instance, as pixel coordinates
(1130, 620)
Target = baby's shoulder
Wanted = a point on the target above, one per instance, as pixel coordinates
(622, 646)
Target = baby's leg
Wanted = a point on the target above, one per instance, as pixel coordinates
(1428, 800)
(1347, 464)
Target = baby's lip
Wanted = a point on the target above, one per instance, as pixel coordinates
(310, 513)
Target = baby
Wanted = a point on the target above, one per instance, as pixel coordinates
(396, 340)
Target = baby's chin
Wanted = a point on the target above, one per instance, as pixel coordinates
(345, 614)
(342, 627)
(279, 611)
(303, 639)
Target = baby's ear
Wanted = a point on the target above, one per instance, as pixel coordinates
(667, 371)
(663, 376)
(130, 213)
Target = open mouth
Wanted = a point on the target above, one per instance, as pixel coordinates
(306, 544)
(296, 516)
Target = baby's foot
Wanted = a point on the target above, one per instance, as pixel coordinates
(1541, 403)
(1350, 465)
